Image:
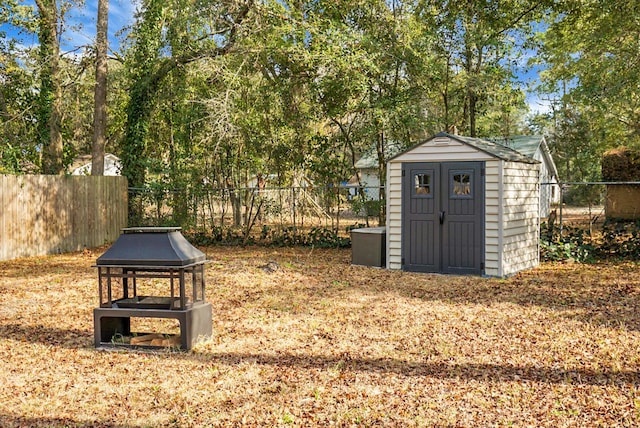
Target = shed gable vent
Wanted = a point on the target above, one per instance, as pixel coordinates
(441, 141)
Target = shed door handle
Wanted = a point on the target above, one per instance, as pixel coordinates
(442, 217)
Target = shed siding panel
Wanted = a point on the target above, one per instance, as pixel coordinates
(492, 252)
(394, 215)
(520, 222)
(432, 152)
(453, 157)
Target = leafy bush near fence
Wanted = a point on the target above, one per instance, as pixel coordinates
(279, 236)
(620, 239)
(613, 240)
(573, 244)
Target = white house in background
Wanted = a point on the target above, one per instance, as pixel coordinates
(535, 146)
(82, 165)
(367, 167)
(299, 193)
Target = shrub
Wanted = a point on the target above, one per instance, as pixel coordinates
(617, 239)
(620, 239)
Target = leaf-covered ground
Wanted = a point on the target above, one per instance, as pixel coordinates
(319, 342)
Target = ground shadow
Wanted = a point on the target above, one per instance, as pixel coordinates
(7, 421)
(477, 372)
(65, 338)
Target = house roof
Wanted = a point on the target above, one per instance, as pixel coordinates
(525, 144)
(369, 158)
(530, 145)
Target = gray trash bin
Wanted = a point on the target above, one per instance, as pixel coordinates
(368, 246)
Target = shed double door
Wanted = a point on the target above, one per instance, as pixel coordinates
(443, 217)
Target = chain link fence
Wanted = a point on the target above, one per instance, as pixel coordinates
(585, 219)
(254, 211)
(593, 220)
(588, 204)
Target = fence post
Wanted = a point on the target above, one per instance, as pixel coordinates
(562, 185)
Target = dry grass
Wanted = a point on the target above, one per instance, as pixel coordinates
(320, 342)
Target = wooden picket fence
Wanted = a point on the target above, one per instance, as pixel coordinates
(46, 214)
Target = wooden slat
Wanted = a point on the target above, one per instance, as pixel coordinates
(49, 214)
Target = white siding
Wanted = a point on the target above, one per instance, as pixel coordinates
(549, 193)
(492, 215)
(520, 224)
(394, 215)
(371, 184)
(433, 151)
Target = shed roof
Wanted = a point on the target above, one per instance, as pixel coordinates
(489, 147)
(496, 149)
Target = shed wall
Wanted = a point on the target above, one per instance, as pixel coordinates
(493, 212)
(520, 224)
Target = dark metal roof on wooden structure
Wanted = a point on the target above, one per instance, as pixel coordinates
(151, 247)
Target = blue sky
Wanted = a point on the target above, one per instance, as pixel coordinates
(121, 15)
(80, 25)
(529, 75)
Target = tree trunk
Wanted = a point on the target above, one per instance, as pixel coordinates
(100, 95)
(49, 116)
(473, 100)
(236, 205)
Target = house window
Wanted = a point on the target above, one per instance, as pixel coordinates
(422, 183)
(460, 184)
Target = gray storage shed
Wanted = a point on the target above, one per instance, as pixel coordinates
(462, 205)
